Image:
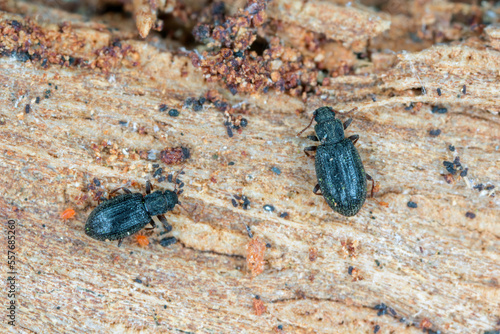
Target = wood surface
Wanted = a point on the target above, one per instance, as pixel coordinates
(434, 267)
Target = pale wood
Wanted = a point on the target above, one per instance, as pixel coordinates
(434, 262)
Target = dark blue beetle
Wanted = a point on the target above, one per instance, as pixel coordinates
(128, 213)
(340, 172)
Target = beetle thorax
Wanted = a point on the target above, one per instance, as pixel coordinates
(156, 203)
(330, 132)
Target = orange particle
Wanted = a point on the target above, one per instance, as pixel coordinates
(384, 204)
(255, 256)
(68, 213)
(425, 324)
(376, 188)
(313, 254)
(142, 240)
(258, 306)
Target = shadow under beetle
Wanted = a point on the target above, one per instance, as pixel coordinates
(126, 214)
(340, 172)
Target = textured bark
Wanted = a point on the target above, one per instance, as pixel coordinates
(432, 266)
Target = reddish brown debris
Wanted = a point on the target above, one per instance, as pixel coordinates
(350, 248)
(242, 69)
(313, 254)
(172, 156)
(255, 256)
(425, 324)
(258, 306)
(356, 274)
(27, 41)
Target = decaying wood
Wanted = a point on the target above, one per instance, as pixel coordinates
(98, 126)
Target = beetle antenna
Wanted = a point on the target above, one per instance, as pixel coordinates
(312, 119)
(350, 111)
(177, 175)
(189, 212)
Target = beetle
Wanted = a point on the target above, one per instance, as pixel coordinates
(340, 172)
(128, 213)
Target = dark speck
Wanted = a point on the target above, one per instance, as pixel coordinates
(16, 25)
(163, 107)
(228, 129)
(123, 123)
(158, 172)
(268, 245)
(161, 179)
(173, 112)
(376, 329)
(464, 89)
(37, 100)
(464, 172)
(410, 107)
(439, 110)
(138, 281)
(382, 309)
(269, 208)
(96, 181)
(434, 132)
(202, 100)
(243, 122)
(189, 101)
(170, 177)
(197, 106)
(235, 204)
(276, 170)
(257, 297)
(43, 225)
(284, 214)
(59, 307)
(490, 187)
(470, 215)
(165, 242)
(27, 109)
(156, 165)
(349, 270)
(451, 148)
(280, 327)
(479, 187)
(439, 91)
(231, 163)
(412, 205)
(238, 54)
(246, 202)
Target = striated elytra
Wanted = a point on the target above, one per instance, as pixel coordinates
(128, 213)
(339, 169)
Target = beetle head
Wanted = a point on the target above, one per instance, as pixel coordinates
(171, 199)
(324, 114)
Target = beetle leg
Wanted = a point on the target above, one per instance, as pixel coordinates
(315, 190)
(313, 138)
(368, 177)
(124, 189)
(119, 242)
(166, 225)
(347, 123)
(354, 138)
(149, 187)
(310, 149)
(153, 225)
(312, 119)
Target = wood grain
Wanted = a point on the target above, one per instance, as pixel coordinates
(431, 264)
